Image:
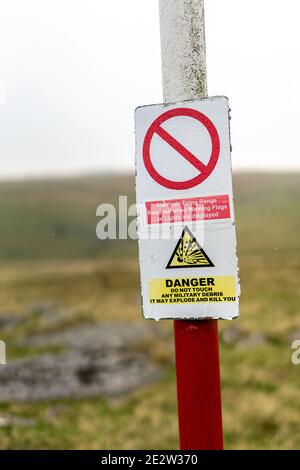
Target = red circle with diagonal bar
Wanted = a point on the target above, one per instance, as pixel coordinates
(204, 170)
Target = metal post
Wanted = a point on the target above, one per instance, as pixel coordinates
(196, 342)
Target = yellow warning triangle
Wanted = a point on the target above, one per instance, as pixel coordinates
(188, 253)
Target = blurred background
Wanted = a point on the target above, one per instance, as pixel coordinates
(84, 370)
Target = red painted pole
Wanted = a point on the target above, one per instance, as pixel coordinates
(198, 384)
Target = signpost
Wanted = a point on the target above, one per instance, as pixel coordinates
(187, 241)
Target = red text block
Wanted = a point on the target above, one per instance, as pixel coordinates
(188, 210)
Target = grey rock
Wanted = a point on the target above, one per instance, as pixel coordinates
(241, 339)
(232, 335)
(98, 360)
(8, 321)
(254, 340)
(94, 336)
(294, 335)
(75, 374)
(6, 421)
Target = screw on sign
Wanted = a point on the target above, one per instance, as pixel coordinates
(157, 129)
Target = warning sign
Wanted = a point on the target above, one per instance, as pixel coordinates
(204, 170)
(186, 221)
(192, 290)
(188, 253)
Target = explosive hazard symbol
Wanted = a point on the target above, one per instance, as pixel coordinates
(188, 253)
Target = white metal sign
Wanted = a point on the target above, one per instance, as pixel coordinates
(187, 240)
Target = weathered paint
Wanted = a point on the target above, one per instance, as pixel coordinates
(183, 49)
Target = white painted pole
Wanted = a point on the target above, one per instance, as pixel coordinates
(183, 51)
(196, 342)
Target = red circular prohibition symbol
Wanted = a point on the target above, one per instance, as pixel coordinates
(204, 170)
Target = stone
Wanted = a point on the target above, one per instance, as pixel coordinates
(76, 375)
(96, 359)
(241, 339)
(9, 321)
(232, 334)
(294, 335)
(253, 340)
(6, 421)
(92, 336)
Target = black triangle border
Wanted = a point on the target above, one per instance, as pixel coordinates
(210, 265)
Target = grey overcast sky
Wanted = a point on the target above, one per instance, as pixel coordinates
(72, 72)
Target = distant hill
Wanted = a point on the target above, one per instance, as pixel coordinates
(56, 218)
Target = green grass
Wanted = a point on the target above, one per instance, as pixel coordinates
(99, 281)
(57, 218)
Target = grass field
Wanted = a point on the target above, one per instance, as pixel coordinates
(48, 250)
